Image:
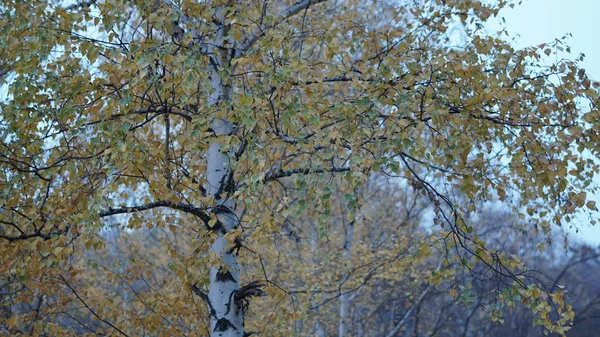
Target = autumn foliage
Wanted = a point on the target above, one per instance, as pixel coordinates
(223, 167)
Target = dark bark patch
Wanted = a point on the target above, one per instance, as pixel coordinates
(246, 293)
(224, 276)
(223, 324)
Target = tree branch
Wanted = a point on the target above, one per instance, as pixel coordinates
(187, 208)
(80, 4)
(36, 233)
(90, 309)
(300, 170)
(407, 314)
(4, 69)
(282, 17)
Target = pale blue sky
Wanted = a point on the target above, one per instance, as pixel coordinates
(540, 21)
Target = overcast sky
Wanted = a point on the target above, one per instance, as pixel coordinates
(541, 21)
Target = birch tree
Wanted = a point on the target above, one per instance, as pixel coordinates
(199, 117)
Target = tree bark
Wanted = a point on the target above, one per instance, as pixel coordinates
(345, 297)
(226, 314)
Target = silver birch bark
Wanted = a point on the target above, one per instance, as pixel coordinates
(319, 331)
(345, 297)
(225, 299)
(226, 317)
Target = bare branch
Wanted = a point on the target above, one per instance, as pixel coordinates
(90, 309)
(407, 314)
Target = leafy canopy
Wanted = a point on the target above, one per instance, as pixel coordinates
(107, 122)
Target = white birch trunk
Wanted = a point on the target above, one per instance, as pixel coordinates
(345, 298)
(319, 331)
(226, 314)
(226, 317)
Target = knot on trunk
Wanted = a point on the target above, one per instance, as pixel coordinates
(243, 296)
